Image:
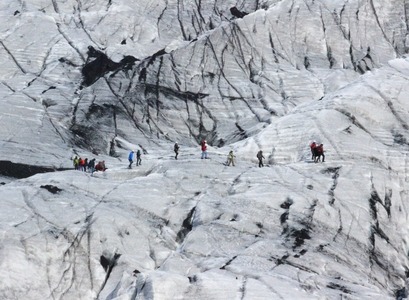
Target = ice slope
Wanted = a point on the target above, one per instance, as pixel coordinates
(192, 69)
(196, 229)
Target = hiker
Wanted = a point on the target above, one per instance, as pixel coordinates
(84, 167)
(260, 158)
(81, 164)
(138, 158)
(204, 149)
(100, 166)
(75, 162)
(230, 158)
(130, 159)
(91, 166)
(176, 149)
(318, 152)
(313, 145)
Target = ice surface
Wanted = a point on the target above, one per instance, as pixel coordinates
(287, 73)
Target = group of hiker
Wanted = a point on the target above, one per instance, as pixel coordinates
(231, 157)
(317, 150)
(131, 158)
(82, 164)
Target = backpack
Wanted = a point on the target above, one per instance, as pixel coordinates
(138, 153)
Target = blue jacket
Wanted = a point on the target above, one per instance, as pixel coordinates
(130, 157)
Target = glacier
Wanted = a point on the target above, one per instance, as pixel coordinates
(98, 78)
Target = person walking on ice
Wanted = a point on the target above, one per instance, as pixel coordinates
(230, 158)
(260, 159)
(318, 152)
(76, 162)
(204, 149)
(313, 145)
(130, 159)
(176, 149)
(91, 166)
(138, 157)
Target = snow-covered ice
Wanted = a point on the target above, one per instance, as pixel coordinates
(97, 79)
